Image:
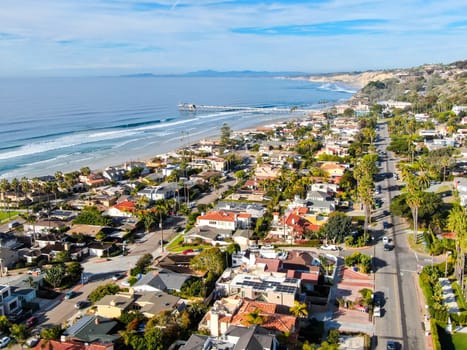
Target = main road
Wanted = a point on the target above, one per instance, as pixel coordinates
(396, 270)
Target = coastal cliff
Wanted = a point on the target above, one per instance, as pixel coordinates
(357, 80)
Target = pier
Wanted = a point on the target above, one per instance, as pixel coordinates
(190, 107)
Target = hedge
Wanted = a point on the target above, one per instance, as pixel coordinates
(435, 335)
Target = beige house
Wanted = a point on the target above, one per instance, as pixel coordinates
(333, 169)
(151, 304)
(112, 306)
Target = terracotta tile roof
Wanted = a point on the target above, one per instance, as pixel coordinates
(68, 345)
(272, 265)
(218, 216)
(244, 215)
(271, 320)
(125, 206)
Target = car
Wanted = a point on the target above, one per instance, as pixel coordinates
(387, 247)
(328, 247)
(32, 342)
(31, 321)
(385, 224)
(81, 304)
(34, 271)
(13, 225)
(4, 341)
(386, 240)
(188, 252)
(377, 311)
(71, 294)
(116, 277)
(391, 345)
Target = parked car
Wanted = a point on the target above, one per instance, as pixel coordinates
(391, 345)
(4, 341)
(377, 311)
(31, 321)
(328, 247)
(385, 224)
(32, 342)
(13, 225)
(71, 294)
(386, 240)
(116, 277)
(387, 247)
(81, 304)
(188, 252)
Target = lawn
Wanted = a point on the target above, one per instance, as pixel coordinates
(177, 246)
(5, 215)
(460, 341)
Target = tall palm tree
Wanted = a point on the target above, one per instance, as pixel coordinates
(457, 223)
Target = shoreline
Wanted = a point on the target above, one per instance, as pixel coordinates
(165, 147)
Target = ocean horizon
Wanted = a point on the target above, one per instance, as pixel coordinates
(63, 124)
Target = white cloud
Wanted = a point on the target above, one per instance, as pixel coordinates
(197, 34)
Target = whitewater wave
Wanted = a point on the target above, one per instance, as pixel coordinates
(336, 88)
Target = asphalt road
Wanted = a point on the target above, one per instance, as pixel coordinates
(396, 271)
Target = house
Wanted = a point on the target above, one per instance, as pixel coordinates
(215, 163)
(224, 220)
(266, 171)
(9, 304)
(92, 328)
(177, 263)
(122, 209)
(160, 281)
(320, 202)
(93, 180)
(129, 166)
(112, 306)
(209, 235)
(460, 184)
(164, 191)
(72, 345)
(333, 169)
(234, 311)
(151, 304)
(114, 174)
(45, 225)
(86, 230)
(273, 289)
(99, 249)
(235, 338)
(254, 209)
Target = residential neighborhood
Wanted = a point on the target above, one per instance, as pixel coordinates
(333, 229)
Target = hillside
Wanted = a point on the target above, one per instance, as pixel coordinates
(429, 84)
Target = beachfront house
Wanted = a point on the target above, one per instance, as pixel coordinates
(164, 191)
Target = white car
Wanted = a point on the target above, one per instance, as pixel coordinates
(328, 247)
(385, 240)
(4, 342)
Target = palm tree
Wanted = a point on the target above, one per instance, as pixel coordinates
(4, 187)
(254, 317)
(457, 223)
(299, 310)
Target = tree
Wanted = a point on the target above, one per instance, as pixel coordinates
(62, 256)
(54, 275)
(52, 333)
(299, 309)
(338, 226)
(101, 291)
(85, 171)
(209, 260)
(92, 216)
(457, 223)
(74, 270)
(253, 317)
(5, 324)
(19, 332)
(148, 218)
(225, 135)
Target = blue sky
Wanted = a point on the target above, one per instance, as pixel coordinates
(86, 37)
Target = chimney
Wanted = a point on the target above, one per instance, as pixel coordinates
(96, 321)
(113, 303)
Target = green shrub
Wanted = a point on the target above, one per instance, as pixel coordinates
(101, 291)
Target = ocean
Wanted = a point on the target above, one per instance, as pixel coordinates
(52, 124)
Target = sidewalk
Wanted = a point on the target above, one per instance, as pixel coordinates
(421, 305)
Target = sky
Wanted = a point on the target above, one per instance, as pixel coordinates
(105, 37)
